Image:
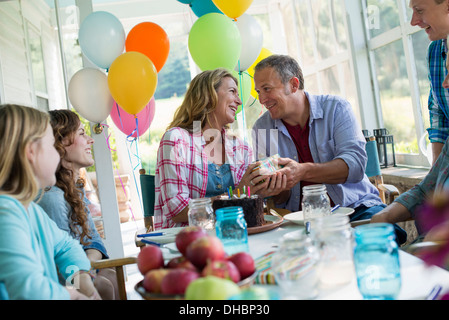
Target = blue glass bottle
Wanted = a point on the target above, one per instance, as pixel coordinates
(230, 227)
(376, 261)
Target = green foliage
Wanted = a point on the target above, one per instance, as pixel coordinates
(175, 75)
(148, 145)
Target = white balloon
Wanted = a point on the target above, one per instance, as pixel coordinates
(89, 94)
(252, 41)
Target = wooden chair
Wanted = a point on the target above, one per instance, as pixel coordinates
(387, 192)
(148, 196)
(118, 265)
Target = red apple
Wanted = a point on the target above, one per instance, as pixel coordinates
(244, 263)
(205, 249)
(149, 258)
(223, 269)
(187, 235)
(153, 279)
(177, 280)
(180, 262)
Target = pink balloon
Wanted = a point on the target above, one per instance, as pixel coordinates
(127, 123)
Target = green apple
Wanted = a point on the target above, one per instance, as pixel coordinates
(211, 288)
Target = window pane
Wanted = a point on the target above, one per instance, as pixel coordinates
(395, 96)
(408, 11)
(42, 104)
(37, 61)
(311, 84)
(339, 81)
(382, 15)
(264, 22)
(330, 80)
(305, 31)
(290, 23)
(420, 44)
(339, 16)
(325, 22)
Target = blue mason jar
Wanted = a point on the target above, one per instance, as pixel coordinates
(230, 228)
(376, 261)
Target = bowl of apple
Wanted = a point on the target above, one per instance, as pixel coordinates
(202, 260)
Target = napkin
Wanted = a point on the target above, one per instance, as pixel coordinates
(263, 267)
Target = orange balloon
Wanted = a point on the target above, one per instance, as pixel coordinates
(151, 40)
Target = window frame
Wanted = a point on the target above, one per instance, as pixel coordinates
(403, 33)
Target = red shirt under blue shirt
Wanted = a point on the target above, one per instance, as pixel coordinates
(300, 137)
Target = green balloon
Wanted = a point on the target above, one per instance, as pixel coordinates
(214, 42)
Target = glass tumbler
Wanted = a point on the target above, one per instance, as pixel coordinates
(376, 261)
(334, 239)
(201, 214)
(230, 227)
(315, 203)
(294, 266)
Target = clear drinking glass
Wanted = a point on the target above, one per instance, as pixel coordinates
(201, 214)
(376, 261)
(333, 237)
(315, 203)
(294, 267)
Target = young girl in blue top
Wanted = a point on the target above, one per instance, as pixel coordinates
(32, 248)
(66, 202)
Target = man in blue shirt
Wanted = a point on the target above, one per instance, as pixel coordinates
(318, 138)
(433, 17)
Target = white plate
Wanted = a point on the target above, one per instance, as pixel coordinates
(298, 217)
(168, 237)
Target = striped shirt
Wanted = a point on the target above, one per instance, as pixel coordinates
(182, 170)
(439, 97)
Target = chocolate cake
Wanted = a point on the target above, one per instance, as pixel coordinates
(252, 208)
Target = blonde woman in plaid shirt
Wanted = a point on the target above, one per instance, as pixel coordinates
(197, 157)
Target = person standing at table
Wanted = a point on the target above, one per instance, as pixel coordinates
(32, 247)
(318, 139)
(66, 202)
(197, 157)
(433, 16)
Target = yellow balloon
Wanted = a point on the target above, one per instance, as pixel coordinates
(233, 8)
(132, 81)
(262, 55)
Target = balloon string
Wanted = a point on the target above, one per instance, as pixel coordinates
(255, 99)
(107, 138)
(241, 94)
(118, 112)
(133, 140)
(117, 172)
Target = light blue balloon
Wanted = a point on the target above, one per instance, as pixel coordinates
(202, 7)
(185, 1)
(102, 38)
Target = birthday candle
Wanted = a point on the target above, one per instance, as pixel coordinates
(230, 191)
(238, 192)
(244, 189)
(249, 192)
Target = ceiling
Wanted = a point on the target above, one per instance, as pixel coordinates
(125, 9)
